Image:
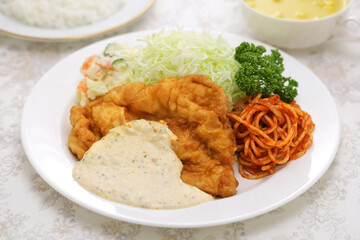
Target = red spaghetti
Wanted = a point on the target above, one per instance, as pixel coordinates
(270, 132)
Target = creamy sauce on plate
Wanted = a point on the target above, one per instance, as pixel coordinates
(298, 9)
(135, 165)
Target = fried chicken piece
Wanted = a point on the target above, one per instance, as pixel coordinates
(92, 122)
(194, 108)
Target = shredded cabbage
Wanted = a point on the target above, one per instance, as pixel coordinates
(177, 53)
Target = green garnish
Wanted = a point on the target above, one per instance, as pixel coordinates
(261, 73)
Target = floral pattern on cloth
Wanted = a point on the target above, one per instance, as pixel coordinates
(31, 209)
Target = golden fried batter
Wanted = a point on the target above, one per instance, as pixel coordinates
(194, 108)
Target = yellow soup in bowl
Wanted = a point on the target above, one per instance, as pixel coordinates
(298, 9)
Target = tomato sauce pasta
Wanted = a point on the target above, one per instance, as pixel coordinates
(270, 132)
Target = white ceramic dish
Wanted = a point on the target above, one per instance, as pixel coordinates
(131, 11)
(45, 128)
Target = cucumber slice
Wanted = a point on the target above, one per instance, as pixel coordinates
(111, 49)
(118, 63)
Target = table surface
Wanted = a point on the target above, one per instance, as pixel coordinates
(31, 209)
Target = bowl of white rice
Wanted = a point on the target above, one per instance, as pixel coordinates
(60, 13)
(67, 19)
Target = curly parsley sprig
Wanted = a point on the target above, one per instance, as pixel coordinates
(261, 73)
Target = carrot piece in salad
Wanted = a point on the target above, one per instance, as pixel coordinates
(106, 66)
(86, 65)
(82, 87)
(93, 60)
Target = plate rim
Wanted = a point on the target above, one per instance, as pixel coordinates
(84, 36)
(157, 223)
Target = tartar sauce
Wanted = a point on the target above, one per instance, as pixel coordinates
(135, 165)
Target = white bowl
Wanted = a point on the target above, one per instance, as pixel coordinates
(290, 33)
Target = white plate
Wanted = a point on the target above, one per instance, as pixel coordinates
(45, 128)
(131, 11)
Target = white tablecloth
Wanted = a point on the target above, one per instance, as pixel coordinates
(30, 209)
